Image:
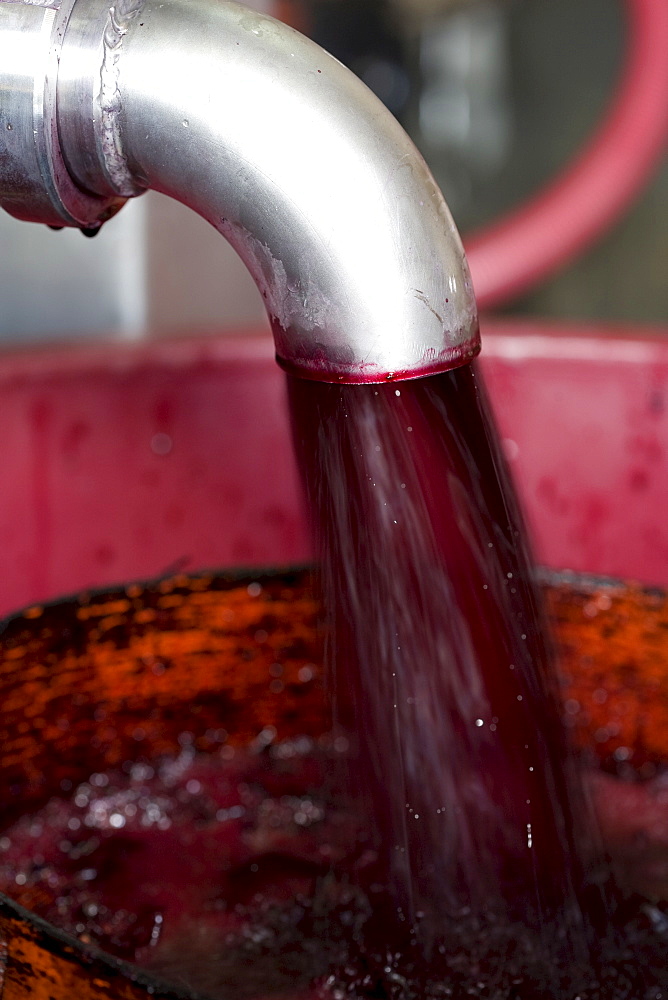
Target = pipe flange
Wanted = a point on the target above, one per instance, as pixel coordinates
(35, 184)
(90, 105)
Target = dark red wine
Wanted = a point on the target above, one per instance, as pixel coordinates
(248, 874)
(205, 870)
(437, 650)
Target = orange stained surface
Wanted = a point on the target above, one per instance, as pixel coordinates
(612, 650)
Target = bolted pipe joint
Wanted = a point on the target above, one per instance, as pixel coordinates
(272, 140)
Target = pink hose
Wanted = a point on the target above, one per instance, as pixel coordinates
(528, 244)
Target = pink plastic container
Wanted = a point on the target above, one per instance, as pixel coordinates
(126, 462)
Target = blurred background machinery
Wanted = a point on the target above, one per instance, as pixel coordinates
(498, 95)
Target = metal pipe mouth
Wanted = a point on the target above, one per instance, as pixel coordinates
(272, 140)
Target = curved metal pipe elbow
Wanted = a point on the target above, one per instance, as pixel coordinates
(257, 129)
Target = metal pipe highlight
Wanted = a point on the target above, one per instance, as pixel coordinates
(272, 140)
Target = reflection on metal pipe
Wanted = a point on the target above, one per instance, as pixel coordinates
(280, 147)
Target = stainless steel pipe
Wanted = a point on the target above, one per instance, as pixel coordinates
(255, 127)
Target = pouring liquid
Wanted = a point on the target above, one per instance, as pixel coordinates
(438, 660)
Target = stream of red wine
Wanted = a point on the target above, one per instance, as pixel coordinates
(438, 656)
